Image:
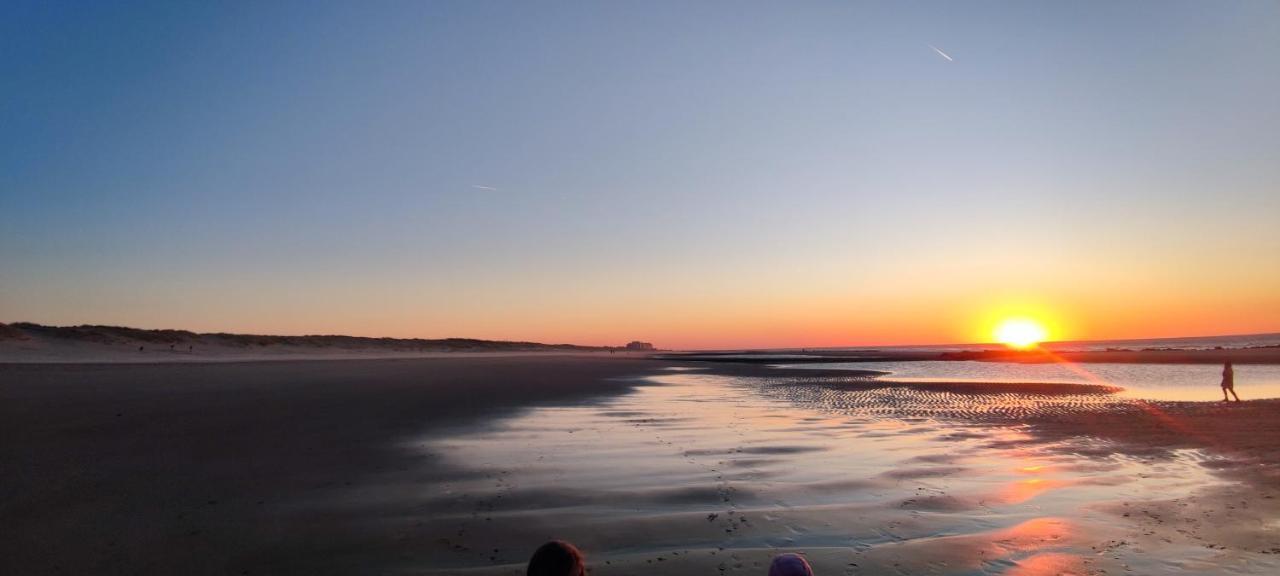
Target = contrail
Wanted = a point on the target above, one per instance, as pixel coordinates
(479, 187)
(942, 54)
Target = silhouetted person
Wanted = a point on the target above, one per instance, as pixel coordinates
(557, 558)
(790, 565)
(1229, 382)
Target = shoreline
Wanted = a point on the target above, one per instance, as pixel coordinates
(125, 359)
(28, 343)
(19, 352)
(1260, 355)
(324, 467)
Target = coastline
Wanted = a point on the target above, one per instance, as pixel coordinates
(54, 351)
(328, 467)
(1258, 355)
(28, 343)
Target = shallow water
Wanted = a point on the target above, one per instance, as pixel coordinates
(712, 474)
(1146, 381)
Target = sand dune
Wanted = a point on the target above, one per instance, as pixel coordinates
(34, 343)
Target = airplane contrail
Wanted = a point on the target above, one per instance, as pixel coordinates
(942, 54)
(479, 187)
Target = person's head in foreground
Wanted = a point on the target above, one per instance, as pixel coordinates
(557, 558)
(790, 565)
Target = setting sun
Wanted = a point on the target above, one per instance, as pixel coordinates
(1020, 333)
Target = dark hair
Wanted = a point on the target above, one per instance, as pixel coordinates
(557, 558)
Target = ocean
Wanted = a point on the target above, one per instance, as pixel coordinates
(1186, 382)
(1238, 341)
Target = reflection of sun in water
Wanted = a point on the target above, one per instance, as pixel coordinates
(1020, 333)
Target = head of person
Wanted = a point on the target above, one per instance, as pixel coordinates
(557, 558)
(789, 565)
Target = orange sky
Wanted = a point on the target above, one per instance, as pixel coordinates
(917, 307)
(787, 175)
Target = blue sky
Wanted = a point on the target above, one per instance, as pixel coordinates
(589, 171)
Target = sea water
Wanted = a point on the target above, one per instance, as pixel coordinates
(1146, 381)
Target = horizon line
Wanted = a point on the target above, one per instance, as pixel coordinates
(728, 349)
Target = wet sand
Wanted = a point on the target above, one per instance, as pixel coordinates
(228, 467)
(464, 465)
(712, 474)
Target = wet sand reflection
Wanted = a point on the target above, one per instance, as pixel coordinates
(712, 474)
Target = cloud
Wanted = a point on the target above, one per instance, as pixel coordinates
(479, 187)
(942, 54)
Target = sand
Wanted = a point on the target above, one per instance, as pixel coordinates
(465, 464)
(115, 345)
(206, 468)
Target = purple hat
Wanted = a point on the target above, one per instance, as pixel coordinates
(789, 565)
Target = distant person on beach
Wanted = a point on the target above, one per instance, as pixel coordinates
(790, 565)
(1228, 382)
(557, 558)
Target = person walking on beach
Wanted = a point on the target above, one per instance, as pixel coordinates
(1228, 382)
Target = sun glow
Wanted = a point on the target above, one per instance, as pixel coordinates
(1020, 333)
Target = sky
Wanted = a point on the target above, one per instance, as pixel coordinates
(695, 174)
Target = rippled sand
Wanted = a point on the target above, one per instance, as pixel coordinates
(705, 474)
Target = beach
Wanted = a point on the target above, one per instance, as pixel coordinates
(218, 468)
(465, 464)
(433, 288)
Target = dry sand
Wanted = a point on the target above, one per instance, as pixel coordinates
(413, 466)
(111, 345)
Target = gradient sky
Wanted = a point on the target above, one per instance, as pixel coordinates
(697, 174)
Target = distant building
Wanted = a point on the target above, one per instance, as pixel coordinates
(638, 345)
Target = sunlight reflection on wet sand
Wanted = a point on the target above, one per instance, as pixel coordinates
(705, 472)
